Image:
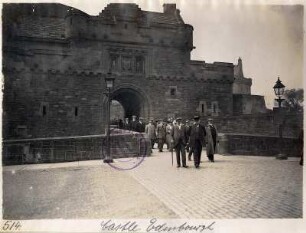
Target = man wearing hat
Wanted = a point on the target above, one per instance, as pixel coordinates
(133, 123)
(161, 135)
(126, 124)
(169, 128)
(150, 132)
(140, 125)
(211, 139)
(179, 142)
(197, 140)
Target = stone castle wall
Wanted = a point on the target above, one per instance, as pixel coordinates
(55, 64)
(55, 59)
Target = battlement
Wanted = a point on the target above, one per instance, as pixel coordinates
(120, 22)
(53, 10)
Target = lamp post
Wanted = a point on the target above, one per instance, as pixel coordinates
(109, 81)
(279, 90)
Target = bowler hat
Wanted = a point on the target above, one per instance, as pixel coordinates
(178, 118)
(196, 117)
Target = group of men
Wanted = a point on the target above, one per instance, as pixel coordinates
(135, 124)
(190, 137)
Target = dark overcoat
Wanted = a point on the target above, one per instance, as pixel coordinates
(197, 131)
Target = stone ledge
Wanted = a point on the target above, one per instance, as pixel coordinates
(63, 149)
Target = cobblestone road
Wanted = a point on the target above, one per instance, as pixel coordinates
(232, 187)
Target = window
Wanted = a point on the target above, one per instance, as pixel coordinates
(202, 108)
(76, 111)
(173, 91)
(214, 108)
(44, 110)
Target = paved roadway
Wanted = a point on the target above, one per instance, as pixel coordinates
(232, 187)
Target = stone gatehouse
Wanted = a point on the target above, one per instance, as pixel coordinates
(55, 59)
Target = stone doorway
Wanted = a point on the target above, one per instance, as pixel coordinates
(132, 101)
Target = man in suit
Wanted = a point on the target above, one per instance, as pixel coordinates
(140, 125)
(126, 124)
(179, 136)
(150, 132)
(190, 149)
(197, 140)
(212, 136)
(161, 135)
(169, 128)
(133, 123)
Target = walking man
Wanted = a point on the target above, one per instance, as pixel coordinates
(169, 129)
(197, 140)
(190, 148)
(179, 142)
(161, 135)
(150, 132)
(212, 135)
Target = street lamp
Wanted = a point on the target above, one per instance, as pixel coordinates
(279, 90)
(109, 81)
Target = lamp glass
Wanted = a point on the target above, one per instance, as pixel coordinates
(279, 88)
(109, 83)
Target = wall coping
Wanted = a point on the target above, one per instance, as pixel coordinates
(253, 135)
(68, 137)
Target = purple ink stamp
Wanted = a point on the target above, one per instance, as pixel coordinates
(128, 149)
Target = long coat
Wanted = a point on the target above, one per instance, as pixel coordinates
(179, 135)
(140, 127)
(169, 129)
(211, 140)
(133, 125)
(150, 131)
(193, 134)
(161, 131)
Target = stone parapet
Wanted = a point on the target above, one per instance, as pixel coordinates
(65, 149)
(260, 145)
(264, 124)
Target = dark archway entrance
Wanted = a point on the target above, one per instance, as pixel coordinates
(132, 101)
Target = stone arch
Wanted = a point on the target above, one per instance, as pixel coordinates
(133, 100)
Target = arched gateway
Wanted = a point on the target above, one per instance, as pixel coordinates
(133, 100)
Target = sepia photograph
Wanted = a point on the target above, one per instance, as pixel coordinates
(152, 116)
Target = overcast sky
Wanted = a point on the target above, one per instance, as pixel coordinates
(268, 38)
